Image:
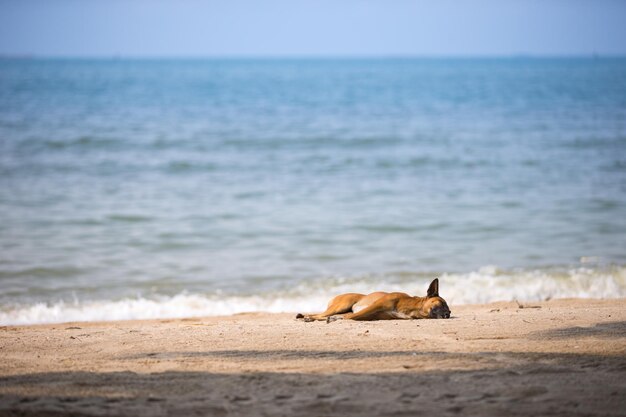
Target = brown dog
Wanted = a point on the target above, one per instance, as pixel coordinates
(384, 306)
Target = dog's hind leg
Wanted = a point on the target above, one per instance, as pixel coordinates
(341, 304)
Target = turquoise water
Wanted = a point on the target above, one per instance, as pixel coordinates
(160, 187)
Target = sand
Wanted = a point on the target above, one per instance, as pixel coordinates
(560, 357)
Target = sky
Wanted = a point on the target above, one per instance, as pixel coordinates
(189, 28)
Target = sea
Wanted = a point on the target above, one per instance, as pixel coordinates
(162, 188)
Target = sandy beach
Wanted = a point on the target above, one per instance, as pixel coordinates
(560, 357)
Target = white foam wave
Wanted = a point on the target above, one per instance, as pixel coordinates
(485, 285)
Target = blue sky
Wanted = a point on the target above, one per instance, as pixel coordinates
(311, 28)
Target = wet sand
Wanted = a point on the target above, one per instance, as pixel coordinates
(560, 357)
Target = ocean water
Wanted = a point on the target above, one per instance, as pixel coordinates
(169, 188)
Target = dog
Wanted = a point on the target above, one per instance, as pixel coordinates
(384, 306)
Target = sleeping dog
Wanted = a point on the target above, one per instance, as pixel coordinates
(384, 306)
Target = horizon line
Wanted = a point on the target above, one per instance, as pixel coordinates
(25, 56)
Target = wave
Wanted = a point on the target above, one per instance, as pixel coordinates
(485, 285)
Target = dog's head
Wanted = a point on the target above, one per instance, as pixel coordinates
(435, 307)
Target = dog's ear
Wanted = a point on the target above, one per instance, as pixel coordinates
(433, 289)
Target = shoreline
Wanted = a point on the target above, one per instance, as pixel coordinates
(471, 306)
(557, 357)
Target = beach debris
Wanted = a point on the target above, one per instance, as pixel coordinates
(155, 399)
(520, 305)
(238, 398)
(408, 395)
(73, 328)
(494, 310)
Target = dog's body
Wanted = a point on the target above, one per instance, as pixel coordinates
(384, 306)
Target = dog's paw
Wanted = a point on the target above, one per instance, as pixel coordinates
(330, 319)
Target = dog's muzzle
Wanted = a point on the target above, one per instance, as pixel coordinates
(440, 313)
